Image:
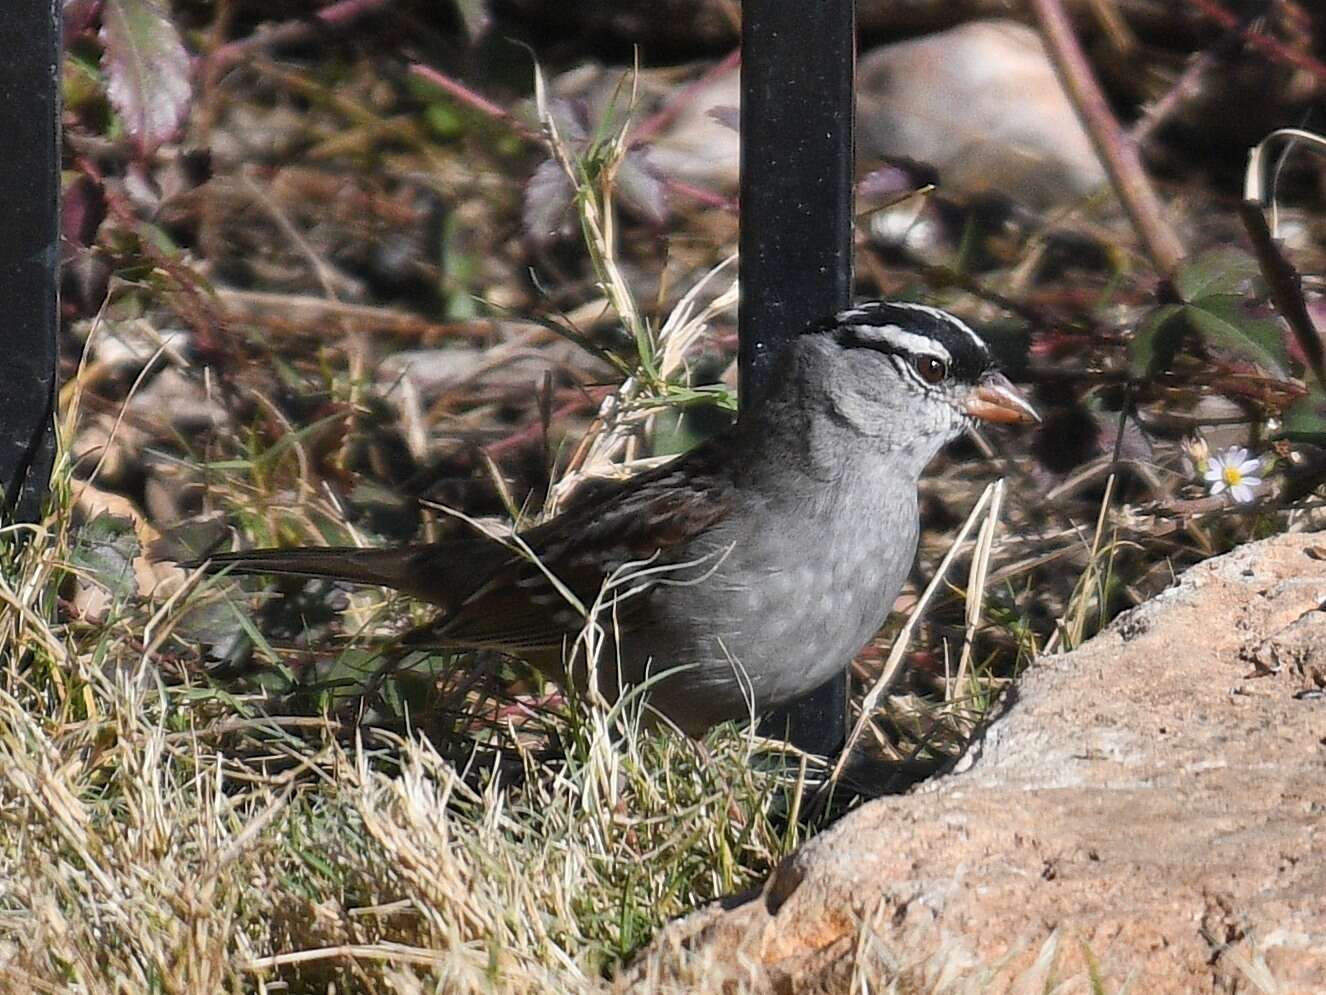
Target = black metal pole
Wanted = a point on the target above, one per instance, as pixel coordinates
(798, 60)
(29, 252)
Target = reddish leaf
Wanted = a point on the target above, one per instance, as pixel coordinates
(641, 187)
(147, 68)
(549, 195)
(82, 208)
(77, 17)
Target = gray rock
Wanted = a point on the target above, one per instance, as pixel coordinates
(982, 104)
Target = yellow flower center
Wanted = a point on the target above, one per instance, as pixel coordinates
(1233, 476)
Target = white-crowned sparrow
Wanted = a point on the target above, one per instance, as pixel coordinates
(747, 571)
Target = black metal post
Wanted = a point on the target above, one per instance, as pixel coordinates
(798, 61)
(29, 252)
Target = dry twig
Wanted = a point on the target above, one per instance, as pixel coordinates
(1118, 153)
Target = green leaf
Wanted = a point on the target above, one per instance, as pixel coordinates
(460, 269)
(1222, 322)
(1216, 273)
(1305, 419)
(444, 121)
(220, 627)
(104, 552)
(1156, 340)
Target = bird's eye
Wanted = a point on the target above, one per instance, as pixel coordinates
(932, 370)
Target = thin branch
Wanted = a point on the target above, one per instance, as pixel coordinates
(297, 312)
(1265, 44)
(1117, 152)
(1186, 87)
(1282, 279)
(700, 195)
(390, 953)
(334, 15)
(486, 107)
(531, 433)
(477, 102)
(1285, 285)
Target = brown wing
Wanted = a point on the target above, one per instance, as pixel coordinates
(536, 597)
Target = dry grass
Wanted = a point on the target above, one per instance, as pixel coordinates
(163, 837)
(159, 841)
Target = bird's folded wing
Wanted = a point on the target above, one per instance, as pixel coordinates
(606, 555)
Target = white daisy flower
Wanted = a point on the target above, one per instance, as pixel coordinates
(1236, 472)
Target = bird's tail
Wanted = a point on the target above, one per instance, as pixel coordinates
(383, 567)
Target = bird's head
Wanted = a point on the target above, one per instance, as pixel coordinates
(905, 375)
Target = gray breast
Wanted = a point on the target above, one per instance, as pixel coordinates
(789, 600)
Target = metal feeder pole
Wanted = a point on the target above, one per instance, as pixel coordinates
(29, 252)
(798, 66)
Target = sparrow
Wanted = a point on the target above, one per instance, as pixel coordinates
(740, 575)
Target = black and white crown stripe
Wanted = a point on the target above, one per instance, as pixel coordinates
(895, 338)
(917, 330)
(873, 311)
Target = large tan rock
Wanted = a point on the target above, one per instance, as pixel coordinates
(982, 104)
(1152, 810)
(979, 103)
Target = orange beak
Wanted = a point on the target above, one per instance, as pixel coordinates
(997, 400)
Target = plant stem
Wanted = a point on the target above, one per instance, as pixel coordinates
(1273, 48)
(1117, 152)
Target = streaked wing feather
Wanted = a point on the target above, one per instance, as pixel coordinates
(651, 518)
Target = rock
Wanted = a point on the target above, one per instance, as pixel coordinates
(109, 447)
(1151, 811)
(981, 104)
(181, 402)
